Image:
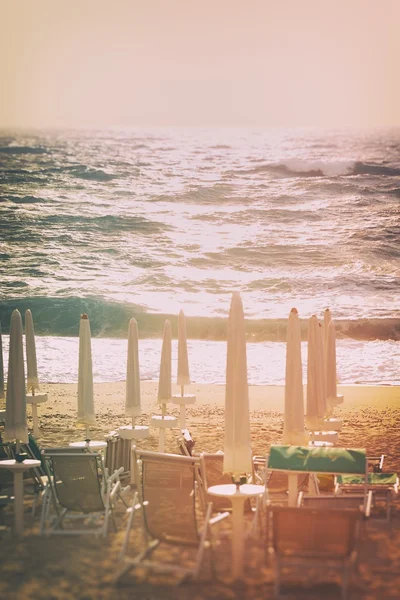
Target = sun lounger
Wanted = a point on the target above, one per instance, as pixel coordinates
(81, 492)
(298, 460)
(308, 537)
(383, 485)
(166, 505)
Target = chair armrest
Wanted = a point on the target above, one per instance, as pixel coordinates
(115, 475)
(368, 504)
(115, 489)
(219, 517)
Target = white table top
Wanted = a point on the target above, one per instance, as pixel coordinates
(13, 465)
(93, 444)
(230, 489)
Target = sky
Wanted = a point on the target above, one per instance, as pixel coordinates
(250, 63)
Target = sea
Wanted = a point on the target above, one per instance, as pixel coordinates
(145, 222)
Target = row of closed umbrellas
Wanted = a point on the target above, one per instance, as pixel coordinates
(321, 385)
(321, 379)
(16, 427)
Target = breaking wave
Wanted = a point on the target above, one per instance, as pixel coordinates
(305, 168)
(60, 317)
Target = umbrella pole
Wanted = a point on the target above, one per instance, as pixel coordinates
(161, 440)
(182, 416)
(87, 435)
(17, 446)
(182, 409)
(236, 481)
(133, 422)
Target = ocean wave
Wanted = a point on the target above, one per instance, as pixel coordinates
(307, 168)
(70, 223)
(83, 172)
(23, 150)
(361, 168)
(60, 317)
(394, 192)
(23, 199)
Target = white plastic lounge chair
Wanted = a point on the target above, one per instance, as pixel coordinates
(81, 492)
(166, 503)
(314, 538)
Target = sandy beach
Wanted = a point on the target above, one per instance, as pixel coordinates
(83, 568)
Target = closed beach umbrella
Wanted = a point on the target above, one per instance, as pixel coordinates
(1, 368)
(327, 320)
(32, 381)
(183, 360)
(132, 400)
(86, 414)
(293, 427)
(315, 376)
(237, 447)
(330, 366)
(16, 427)
(320, 341)
(164, 383)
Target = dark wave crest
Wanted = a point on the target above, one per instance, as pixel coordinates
(23, 199)
(361, 168)
(300, 168)
(60, 316)
(23, 150)
(83, 172)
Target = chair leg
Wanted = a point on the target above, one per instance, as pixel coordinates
(45, 510)
(277, 585)
(345, 583)
(202, 542)
(129, 526)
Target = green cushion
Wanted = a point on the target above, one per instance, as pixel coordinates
(373, 479)
(305, 459)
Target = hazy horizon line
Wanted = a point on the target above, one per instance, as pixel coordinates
(92, 127)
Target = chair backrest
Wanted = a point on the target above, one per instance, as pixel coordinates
(77, 480)
(185, 443)
(375, 463)
(212, 473)
(167, 490)
(310, 532)
(66, 450)
(355, 501)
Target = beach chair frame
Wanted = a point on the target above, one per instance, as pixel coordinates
(342, 501)
(81, 471)
(296, 460)
(375, 483)
(198, 538)
(316, 538)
